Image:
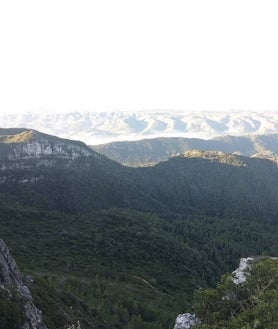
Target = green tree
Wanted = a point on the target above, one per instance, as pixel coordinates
(250, 305)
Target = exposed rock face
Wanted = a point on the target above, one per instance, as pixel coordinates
(20, 147)
(10, 277)
(245, 265)
(186, 321)
(239, 275)
(9, 274)
(42, 148)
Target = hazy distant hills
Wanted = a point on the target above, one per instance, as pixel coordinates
(103, 127)
(151, 151)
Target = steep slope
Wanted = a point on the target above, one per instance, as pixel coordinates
(129, 241)
(210, 183)
(151, 151)
(18, 147)
(214, 183)
(50, 171)
(21, 294)
(17, 309)
(250, 304)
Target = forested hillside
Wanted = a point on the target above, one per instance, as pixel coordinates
(151, 151)
(214, 184)
(125, 248)
(250, 304)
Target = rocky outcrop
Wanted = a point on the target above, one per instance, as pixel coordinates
(22, 149)
(239, 275)
(186, 321)
(12, 280)
(9, 274)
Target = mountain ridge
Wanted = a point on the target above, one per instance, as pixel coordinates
(28, 144)
(186, 183)
(151, 151)
(102, 127)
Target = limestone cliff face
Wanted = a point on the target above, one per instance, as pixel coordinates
(239, 275)
(21, 147)
(45, 148)
(11, 280)
(243, 271)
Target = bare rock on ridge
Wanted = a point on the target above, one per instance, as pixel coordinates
(11, 280)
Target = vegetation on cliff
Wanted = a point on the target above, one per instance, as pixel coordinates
(249, 305)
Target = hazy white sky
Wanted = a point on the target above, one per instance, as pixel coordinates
(69, 55)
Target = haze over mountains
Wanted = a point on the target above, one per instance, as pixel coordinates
(94, 127)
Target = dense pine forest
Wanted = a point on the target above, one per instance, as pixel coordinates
(114, 247)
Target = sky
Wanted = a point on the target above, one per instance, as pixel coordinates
(61, 56)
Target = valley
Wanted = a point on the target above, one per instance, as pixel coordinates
(118, 247)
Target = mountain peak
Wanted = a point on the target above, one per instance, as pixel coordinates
(22, 136)
(26, 144)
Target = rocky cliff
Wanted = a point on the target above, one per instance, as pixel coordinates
(12, 286)
(252, 288)
(21, 147)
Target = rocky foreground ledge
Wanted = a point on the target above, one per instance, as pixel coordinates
(11, 283)
(188, 320)
(239, 277)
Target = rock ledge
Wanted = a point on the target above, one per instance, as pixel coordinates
(11, 279)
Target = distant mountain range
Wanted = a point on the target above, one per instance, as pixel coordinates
(102, 127)
(151, 151)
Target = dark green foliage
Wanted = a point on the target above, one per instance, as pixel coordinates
(127, 268)
(60, 308)
(75, 225)
(11, 309)
(225, 186)
(253, 304)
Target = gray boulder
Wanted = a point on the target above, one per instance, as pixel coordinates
(186, 321)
